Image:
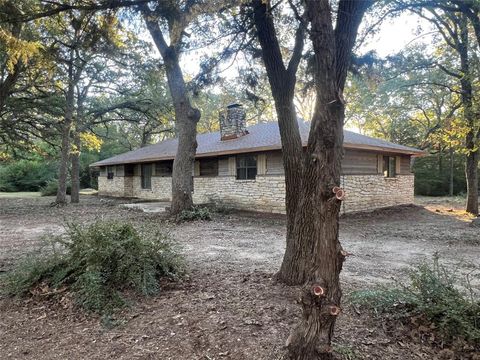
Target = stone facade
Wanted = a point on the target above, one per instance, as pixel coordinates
(111, 187)
(233, 122)
(161, 188)
(267, 192)
(369, 192)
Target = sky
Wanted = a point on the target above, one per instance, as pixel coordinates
(392, 36)
(396, 34)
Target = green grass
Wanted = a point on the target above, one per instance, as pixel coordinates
(20, 194)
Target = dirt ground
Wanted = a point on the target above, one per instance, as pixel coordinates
(229, 307)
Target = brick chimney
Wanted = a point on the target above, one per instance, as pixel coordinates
(233, 122)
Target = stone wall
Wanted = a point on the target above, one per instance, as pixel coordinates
(111, 187)
(267, 192)
(161, 188)
(369, 192)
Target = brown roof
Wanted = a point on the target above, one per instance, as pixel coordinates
(261, 137)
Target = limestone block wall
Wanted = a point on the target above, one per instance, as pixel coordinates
(266, 193)
(369, 192)
(111, 187)
(161, 188)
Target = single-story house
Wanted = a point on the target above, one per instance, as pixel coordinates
(241, 167)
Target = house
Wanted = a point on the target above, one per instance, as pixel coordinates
(242, 167)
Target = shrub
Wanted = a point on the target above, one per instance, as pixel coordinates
(196, 213)
(98, 263)
(25, 175)
(431, 294)
(51, 188)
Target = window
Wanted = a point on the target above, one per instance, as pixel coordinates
(164, 168)
(246, 167)
(129, 169)
(389, 165)
(209, 167)
(146, 176)
(110, 172)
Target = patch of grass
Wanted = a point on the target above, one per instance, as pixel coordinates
(197, 212)
(432, 294)
(98, 263)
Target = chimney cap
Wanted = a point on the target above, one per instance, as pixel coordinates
(234, 105)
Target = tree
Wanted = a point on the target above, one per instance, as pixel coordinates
(282, 81)
(173, 18)
(454, 27)
(314, 255)
(455, 20)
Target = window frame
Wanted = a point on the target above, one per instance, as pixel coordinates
(208, 173)
(160, 166)
(243, 164)
(389, 166)
(129, 170)
(146, 181)
(111, 174)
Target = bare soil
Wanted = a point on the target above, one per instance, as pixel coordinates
(229, 307)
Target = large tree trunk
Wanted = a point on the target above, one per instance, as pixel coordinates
(471, 141)
(471, 171)
(186, 119)
(317, 217)
(75, 173)
(282, 83)
(450, 192)
(66, 128)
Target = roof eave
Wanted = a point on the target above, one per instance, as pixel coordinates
(257, 149)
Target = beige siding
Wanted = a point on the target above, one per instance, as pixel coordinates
(119, 171)
(274, 163)
(223, 169)
(359, 163)
(405, 165)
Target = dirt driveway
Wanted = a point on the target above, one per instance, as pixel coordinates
(229, 308)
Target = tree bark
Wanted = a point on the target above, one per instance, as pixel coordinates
(282, 83)
(75, 173)
(66, 129)
(451, 172)
(186, 119)
(472, 137)
(317, 217)
(79, 127)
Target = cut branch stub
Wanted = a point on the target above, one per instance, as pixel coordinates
(334, 310)
(318, 290)
(340, 194)
(335, 189)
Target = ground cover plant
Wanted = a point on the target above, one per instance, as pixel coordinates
(433, 301)
(196, 212)
(97, 263)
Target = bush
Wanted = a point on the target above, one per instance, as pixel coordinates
(431, 294)
(98, 263)
(25, 175)
(196, 213)
(51, 188)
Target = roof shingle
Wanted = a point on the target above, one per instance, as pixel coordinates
(261, 137)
